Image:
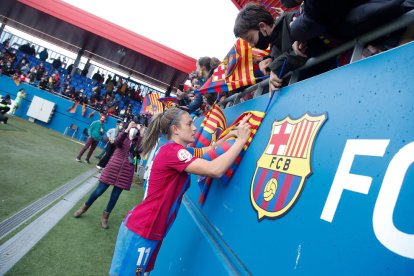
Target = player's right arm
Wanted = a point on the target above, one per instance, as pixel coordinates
(217, 167)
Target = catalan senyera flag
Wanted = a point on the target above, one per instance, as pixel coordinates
(210, 129)
(254, 121)
(152, 104)
(237, 69)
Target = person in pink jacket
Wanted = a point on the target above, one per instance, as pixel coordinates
(118, 172)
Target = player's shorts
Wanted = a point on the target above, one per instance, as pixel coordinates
(132, 252)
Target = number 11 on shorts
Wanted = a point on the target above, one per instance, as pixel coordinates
(143, 251)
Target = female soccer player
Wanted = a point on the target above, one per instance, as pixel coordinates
(142, 231)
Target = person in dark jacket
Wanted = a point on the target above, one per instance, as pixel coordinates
(257, 26)
(118, 172)
(340, 20)
(43, 55)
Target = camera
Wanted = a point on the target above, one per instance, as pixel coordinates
(181, 87)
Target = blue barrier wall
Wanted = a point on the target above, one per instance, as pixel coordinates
(61, 118)
(354, 215)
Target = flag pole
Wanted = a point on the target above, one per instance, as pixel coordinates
(274, 92)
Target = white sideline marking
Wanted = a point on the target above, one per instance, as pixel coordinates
(16, 247)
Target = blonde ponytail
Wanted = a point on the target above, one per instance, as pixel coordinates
(160, 124)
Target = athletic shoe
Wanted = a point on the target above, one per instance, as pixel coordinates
(99, 167)
(87, 161)
(77, 159)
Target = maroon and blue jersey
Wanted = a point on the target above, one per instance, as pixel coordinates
(167, 184)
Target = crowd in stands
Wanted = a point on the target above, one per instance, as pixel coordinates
(310, 29)
(112, 96)
(188, 97)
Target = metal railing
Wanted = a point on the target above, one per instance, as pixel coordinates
(15, 42)
(357, 43)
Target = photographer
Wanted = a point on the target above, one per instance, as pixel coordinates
(118, 172)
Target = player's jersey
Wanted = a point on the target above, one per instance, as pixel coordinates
(167, 184)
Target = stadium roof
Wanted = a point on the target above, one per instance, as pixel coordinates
(72, 28)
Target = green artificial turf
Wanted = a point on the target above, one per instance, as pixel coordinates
(79, 246)
(34, 161)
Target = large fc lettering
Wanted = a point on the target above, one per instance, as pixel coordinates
(384, 228)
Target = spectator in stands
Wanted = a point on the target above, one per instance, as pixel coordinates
(350, 19)
(108, 79)
(214, 63)
(31, 75)
(84, 71)
(22, 62)
(27, 49)
(256, 25)
(53, 82)
(95, 132)
(6, 42)
(83, 100)
(127, 115)
(70, 92)
(109, 86)
(57, 63)
(8, 69)
(65, 84)
(43, 55)
(96, 76)
(18, 101)
(118, 172)
(2, 64)
(123, 87)
(40, 71)
(70, 68)
(25, 68)
(113, 110)
(137, 95)
(44, 81)
(203, 66)
(183, 99)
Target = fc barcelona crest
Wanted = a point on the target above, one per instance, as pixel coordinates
(282, 169)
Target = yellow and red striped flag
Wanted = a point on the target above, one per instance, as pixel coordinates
(254, 121)
(237, 69)
(211, 128)
(152, 104)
